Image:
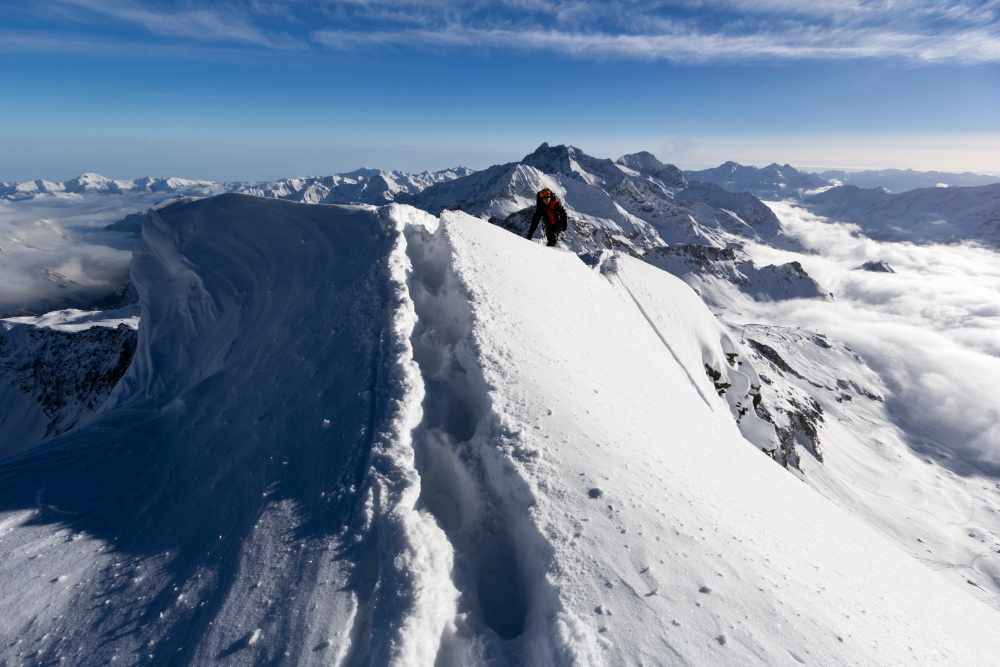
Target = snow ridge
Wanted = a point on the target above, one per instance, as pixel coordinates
(507, 609)
(362, 436)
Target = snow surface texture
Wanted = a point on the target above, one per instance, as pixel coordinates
(369, 436)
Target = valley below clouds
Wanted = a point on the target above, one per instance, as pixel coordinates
(930, 328)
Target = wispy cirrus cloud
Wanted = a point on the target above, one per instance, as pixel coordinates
(968, 47)
(200, 23)
(684, 31)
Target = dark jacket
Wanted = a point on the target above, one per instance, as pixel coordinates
(555, 216)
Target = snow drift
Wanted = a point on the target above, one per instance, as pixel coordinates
(368, 436)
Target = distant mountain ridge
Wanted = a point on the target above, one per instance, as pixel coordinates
(772, 181)
(365, 185)
(922, 215)
(901, 180)
(785, 181)
(91, 183)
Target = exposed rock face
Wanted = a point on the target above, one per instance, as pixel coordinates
(875, 267)
(50, 379)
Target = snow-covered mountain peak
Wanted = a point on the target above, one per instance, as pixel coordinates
(772, 181)
(646, 163)
(571, 161)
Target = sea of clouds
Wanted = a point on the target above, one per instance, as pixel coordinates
(931, 329)
(54, 252)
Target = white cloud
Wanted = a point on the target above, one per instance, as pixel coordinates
(52, 254)
(684, 31)
(200, 23)
(932, 329)
(970, 46)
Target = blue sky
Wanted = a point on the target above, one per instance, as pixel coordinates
(274, 88)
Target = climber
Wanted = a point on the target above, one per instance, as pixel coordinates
(555, 216)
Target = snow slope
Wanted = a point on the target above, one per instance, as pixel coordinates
(370, 436)
(863, 461)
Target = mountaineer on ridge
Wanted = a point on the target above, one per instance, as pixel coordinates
(555, 216)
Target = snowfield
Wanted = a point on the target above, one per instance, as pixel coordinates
(373, 436)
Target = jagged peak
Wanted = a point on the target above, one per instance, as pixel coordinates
(646, 163)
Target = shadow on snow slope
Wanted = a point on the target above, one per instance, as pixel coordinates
(255, 386)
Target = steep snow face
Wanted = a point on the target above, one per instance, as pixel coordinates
(901, 180)
(665, 528)
(369, 436)
(772, 181)
(923, 215)
(834, 410)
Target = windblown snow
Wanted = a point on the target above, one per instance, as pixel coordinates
(372, 436)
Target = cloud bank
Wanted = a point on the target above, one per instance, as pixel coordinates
(931, 329)
(54, 255)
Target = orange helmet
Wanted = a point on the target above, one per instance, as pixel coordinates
(545, 193)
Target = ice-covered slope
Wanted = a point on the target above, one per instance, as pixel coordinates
(923, 215)
(369, 436)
